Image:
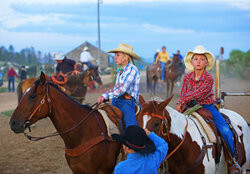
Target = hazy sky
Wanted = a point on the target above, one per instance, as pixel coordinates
(62, 25)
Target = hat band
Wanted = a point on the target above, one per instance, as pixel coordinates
(138, 147)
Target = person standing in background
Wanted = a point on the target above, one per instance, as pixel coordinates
(11, 78)
(23, 73)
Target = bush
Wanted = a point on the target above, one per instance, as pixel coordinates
(238, 64)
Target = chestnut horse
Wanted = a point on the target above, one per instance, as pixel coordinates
(173, 73)
(76, 85)
(187, 152)
(87, 147)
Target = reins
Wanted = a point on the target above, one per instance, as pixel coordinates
(42, 102)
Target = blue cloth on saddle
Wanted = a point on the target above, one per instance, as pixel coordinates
(138, 163)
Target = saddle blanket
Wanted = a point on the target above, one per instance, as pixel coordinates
(111, 127)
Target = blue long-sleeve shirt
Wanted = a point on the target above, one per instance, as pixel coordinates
(138, 163)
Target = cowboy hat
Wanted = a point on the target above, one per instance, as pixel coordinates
(85, 48)
(199, 50)
(59, 57)
(136, 139)
(127, 49)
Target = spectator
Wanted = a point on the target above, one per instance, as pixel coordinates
(23, 73)
(11, 78)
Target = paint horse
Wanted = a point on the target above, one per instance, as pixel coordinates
(88, 149)
(187, 152)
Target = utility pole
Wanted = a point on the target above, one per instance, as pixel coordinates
(98, 28)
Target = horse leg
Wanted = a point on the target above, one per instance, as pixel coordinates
(172, 87)
(167, 87)
(155, 82)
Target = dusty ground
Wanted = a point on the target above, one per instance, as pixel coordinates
(18, 155)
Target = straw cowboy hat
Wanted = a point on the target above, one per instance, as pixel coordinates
(127, 49)
(136, 139)
(199, 50)
(59, 57)
(85, 48)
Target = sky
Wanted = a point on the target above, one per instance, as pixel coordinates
(147, 25)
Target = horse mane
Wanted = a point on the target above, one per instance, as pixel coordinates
(66, 95)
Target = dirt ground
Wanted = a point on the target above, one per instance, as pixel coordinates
(19, 155)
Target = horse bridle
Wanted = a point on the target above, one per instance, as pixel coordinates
(41, 103)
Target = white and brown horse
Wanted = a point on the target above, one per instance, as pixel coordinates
(187, 151)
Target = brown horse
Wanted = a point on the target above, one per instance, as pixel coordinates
(153, 73)
(75, 87)
(189, 148)
(173, 73)
(87, 147)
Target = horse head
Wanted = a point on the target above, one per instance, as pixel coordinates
(95, 75)
(33, 106)
(154, 116)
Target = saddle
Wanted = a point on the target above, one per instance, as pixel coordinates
(239, 147)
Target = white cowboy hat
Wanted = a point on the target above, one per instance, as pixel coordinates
(199, 50)
(59, 57)
(127, 49)
(85, 48)
(157, 50)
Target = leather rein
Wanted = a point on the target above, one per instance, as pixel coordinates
(70, 152)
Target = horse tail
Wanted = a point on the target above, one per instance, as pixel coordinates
(19, 91)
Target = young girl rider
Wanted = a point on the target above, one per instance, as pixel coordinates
(198, 86)
(126, 90)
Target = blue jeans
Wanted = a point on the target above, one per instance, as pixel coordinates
(222, 126)
(11, 80)
(127, 107)
(162, 70)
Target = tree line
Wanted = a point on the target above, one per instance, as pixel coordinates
(27, 56)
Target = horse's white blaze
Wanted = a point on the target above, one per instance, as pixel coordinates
(146, 118)
(27, 90)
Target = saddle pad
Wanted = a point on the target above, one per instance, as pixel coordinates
(206, 127)
(111, 127)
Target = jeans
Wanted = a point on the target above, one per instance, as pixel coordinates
(127, 107)
(222, 126)
(162, 70)
(11, 80)
(89, 64)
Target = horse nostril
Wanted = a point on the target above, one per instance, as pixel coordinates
(12, 123)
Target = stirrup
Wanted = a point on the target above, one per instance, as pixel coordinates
(236, 164)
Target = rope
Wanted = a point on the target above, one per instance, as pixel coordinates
(191, 110)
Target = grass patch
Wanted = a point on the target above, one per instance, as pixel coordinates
(3, 89)
(8, 113)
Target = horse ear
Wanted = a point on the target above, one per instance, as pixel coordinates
(165, 103)
(42, 78)
(141, 100)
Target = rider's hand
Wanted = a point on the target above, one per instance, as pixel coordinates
(147, 131)
(100, 99)
(178, 108)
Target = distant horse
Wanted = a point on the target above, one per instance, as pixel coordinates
(173, 73)
(87, 147)
(187, 151)
(153, 73)
(76, 85)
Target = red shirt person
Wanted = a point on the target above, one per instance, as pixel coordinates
(11, 79)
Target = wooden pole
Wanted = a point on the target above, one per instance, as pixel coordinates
(217, 83)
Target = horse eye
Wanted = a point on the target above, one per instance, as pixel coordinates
(33, 96)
